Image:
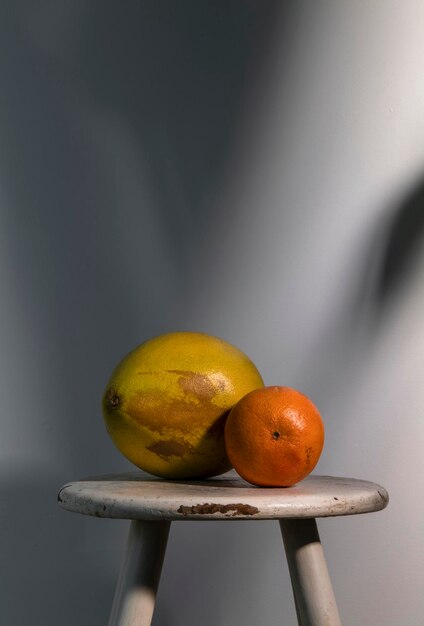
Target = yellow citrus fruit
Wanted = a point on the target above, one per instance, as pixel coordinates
(166, 403)
(274, 436)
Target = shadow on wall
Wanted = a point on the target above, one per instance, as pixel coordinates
(50, 557)
(116, 133)
(176, 75)
(404, 240)
(388, 264)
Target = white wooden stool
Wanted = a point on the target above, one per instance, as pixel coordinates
(152, 503)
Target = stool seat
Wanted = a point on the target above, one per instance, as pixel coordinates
(139, 496)
(152, 504)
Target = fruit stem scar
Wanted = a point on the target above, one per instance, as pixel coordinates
(276, 435)
(112, 399)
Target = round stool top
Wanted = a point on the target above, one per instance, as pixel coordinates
(136, 495)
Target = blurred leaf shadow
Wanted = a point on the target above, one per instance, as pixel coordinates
(404, 241)
(385, 270)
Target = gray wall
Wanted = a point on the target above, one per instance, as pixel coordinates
(251, 170)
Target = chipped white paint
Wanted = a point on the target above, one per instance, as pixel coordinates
(152, 503)
(136, 495)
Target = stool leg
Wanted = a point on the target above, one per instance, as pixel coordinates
(138, 581)
(313, 593)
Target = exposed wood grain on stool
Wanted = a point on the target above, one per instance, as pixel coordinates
(211, 508)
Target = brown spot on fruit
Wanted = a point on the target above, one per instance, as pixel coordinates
(157, 411)
(211, 508)
(168, 448)
(199, 385)
(276, 435)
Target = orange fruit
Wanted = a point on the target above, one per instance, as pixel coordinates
(274, 436)
(166, 403)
